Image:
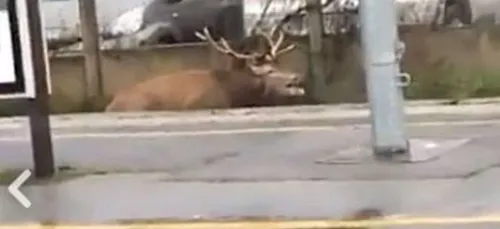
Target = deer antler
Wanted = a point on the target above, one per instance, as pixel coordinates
(275, 46)
(224, 46)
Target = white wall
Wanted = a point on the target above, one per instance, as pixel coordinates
(63, 14)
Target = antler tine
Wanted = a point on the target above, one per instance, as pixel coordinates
(269, 40)
(275, 46)
(224, 46)
(273, 30)
(199, 35)
(234, 53)
(207, 37)
(278, 43)
(285, 50)
(269, 37)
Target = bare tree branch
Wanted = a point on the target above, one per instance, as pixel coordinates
(300, 10)
(287, 16)
(262, 16)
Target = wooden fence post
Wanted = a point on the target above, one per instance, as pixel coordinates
(94, 89)
(316, 82)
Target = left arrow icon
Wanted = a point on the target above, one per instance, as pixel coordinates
(16, 184)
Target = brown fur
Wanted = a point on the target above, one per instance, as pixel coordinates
(181, 91)
(196, 89)
(239, 86)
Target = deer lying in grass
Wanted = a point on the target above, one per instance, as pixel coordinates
(252, 80)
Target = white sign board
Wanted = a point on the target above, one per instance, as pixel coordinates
(16, 65)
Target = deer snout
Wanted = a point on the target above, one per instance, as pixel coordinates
(296, 85)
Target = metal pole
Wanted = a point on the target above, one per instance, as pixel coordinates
(379, 39)
(38, 107)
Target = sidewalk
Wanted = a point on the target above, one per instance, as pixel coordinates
(321, 115)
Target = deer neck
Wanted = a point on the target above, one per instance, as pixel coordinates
(241, 87)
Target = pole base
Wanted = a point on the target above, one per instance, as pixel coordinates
(419, 150)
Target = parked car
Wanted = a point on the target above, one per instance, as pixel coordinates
(176, 21)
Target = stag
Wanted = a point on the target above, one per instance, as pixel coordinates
(253, 79)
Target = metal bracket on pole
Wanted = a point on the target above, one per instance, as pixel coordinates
(403, 78)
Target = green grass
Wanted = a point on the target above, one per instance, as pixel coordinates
(444, 81)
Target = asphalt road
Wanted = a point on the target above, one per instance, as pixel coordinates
(242, 164)
(255, 173)
(251, 153)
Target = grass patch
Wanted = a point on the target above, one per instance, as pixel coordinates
(445, 81)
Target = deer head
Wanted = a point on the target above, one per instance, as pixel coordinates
(261, 64)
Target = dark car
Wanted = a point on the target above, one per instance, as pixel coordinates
(175, 21)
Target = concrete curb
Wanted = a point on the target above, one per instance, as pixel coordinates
(344, 114)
